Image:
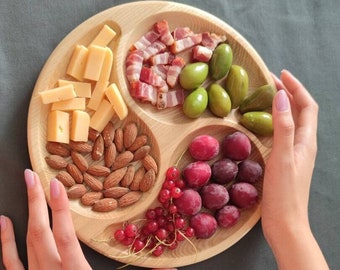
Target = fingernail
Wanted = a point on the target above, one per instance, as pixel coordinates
(281, 101)
(3, 223)
(54, 188)
(29, 178)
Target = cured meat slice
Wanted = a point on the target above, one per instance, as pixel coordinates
(211, 40)
(153, 49)
(144, 92)
(148, 76)
(170, 99)
(201, 53)
(161, 58)
(145, 41)
(162, 27)
(174, 70)
(182, 32)
(186, 43)
(134, 64)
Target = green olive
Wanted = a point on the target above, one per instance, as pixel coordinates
(193, 75)
(237, 85)
(219, 100)
(260, 123)
(195, 103)
(220, 61)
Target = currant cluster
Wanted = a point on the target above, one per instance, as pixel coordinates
(163, 226)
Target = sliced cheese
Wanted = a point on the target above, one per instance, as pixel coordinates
(58, 94)
(80, 126)
(82, 89)
(114, 96)
(101, 85)
(94, 63)
(69, 105)
(58, 127)
(76, 66)
(104, 37)
(102, 116)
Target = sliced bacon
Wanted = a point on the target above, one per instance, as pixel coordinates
(153, 49)
(162, 27)
(185, 43)
(182, 32)
(161, 58)
(174, 70)
(170, 99)
(161, 70)
(145, 41)
(201, 53)
(148, 76)
(211, 40)
(144, 92)
(134, 63)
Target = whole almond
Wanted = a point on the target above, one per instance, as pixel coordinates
(65, 178)
(114, 178)
(91, 197)
(139, 174)
(56, 162)
(75, 173)
(98, 170)
(98, 148)
(150, 163)
(59, 149)
(128, 177)
(139, 142)
(81, 147)
(80, 161)
(122, 160)
(108, 134)
(141, 152)
(148, 180)
(129, 198)
(76, 191)
(115, 192)
(110, 153)
(130, 132)
(93, 134)
(118, 140)
(105, 205)
(93, 183)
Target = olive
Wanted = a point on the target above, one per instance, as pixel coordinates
(258, 122)
(220, 61)
(195, 103)
(219, 100)
(237, 85)
(193, 75)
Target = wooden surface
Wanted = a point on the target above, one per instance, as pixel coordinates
(170, 130)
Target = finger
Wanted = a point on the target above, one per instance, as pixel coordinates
(31, 256)
(39, 231)
(10, 255)
(63, 229)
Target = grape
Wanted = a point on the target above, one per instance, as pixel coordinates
(249, 171)
(243, 194)
(214, 196)
(224, 171)
(197, 174)
(227, 216)
(204, 147)
(204, 225)
(189, 203)
(236, 146)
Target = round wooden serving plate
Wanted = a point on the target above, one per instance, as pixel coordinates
(170, 131)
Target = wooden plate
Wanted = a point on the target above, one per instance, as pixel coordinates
(170, 131)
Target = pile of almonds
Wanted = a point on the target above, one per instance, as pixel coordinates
(112, 169)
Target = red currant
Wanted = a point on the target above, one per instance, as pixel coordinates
(189, 232)
(152, 226)
(119, 235)
(172, 173)
(158, 251)
(172, 209)
(176, 192)
(131, 230)
(164, 195)
(169, 184)
(161, 234)
(150, 214)
(138, 245)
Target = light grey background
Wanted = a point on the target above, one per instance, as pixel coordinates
(301, 36)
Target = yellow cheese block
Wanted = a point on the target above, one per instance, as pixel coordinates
(57, 94)
(114, 96)
(104, 37)
(76, 66)
(102, 116)
(101, 85)
(58, 127)
(94, 63)
(69, 105)
(80, 126)
(82, 89)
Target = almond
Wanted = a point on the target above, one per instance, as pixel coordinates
(130, 132)
(150, 163)
(98, 170)
(56, 162)
(76, 191)
(139, 174)
(81, 147)
(118, 140)
(59, 149)
(115, 192)
(105, 205)
(91, 197)
(75, 173)
(92, 182)
(93, 134)
(108, 134)
(141, 152)
(129, 198)
(148, 180)
(98, 148)
(80, 161)
(65, 178)
(114, 178)
(122, 160)
(128, 177)
(139, 142)
(110, 153)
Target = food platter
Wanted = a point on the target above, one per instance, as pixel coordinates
(169, 130)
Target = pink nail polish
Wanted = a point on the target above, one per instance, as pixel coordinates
(282, 102)
(54, 188)
(29, 178)
(3, 223)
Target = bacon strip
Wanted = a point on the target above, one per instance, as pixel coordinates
(211, 40)
(170, 99)
(148, 76)
(182, 32)
(162, 27)
(186, 43)
(145, 41)
(201, 53)
(174, 70)
(144, 92)
(153, 49)
(134, 63)
(161, 58)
